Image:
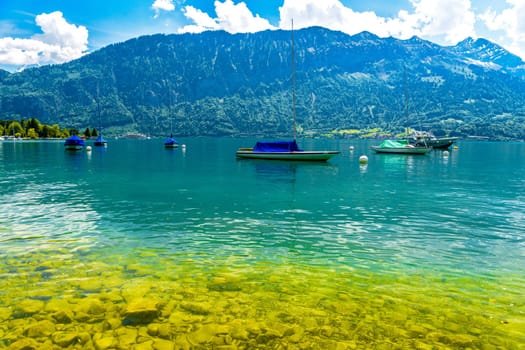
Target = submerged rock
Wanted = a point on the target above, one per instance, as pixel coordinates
(64, 339)
(140, 311)
(94, 307)
(25, 344)
(5, 313)
(203, 335)
(202, 308)
(63, 317)
(28, 307)
(163, 344)
(127, 336)
(40, 329)
(105, 343)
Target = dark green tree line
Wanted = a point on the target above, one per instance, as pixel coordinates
(33, 129)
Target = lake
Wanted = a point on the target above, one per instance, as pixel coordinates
(137, 246)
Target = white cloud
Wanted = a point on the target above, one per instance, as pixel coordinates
(510, 22)
(331, 14)
(162, 5)
(238, 18)
(201, 19)
(233, 18)
(445, 22)
(59, 42)
(450, 20)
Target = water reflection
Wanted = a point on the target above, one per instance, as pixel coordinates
(283, 171)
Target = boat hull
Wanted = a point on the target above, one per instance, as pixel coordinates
(73, 147)
(441, 143)
(402, 150)
(427, 139)
(171, 145)
(247, 153)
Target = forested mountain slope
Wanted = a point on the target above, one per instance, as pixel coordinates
(215, 83)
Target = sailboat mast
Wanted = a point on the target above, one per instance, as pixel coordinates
(293, 87)
(406, 100)
(98, 110)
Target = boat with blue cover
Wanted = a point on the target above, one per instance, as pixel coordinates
(283, 150)
(171, 142)
(100, 141)
(74, 143)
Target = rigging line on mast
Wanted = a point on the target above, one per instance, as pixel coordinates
(293, 88)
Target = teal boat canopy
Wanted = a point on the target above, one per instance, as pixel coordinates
(277, 146)
(393, 144)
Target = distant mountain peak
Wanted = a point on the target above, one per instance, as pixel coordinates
(485, 51)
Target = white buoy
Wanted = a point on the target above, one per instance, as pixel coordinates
(88, 148)
(363, 159)
(445, 153)
(351, 148)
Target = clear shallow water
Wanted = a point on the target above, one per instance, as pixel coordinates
(407, 251)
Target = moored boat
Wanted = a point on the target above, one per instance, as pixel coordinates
(400, 147)
(100, 141)
(171, 142)
(426, 138)
(283, 150)
(74, 143)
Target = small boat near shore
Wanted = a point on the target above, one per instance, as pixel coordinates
(74, 143)
(100, 141)
(171, 142)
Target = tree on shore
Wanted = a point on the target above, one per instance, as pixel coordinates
(15, 129)
(33, 129)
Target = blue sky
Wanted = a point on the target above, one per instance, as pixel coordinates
(39, 32)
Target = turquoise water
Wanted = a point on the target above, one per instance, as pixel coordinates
(214, 252)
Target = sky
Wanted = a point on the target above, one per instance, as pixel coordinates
(40, 32)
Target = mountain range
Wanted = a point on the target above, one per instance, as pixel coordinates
(220, 84)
